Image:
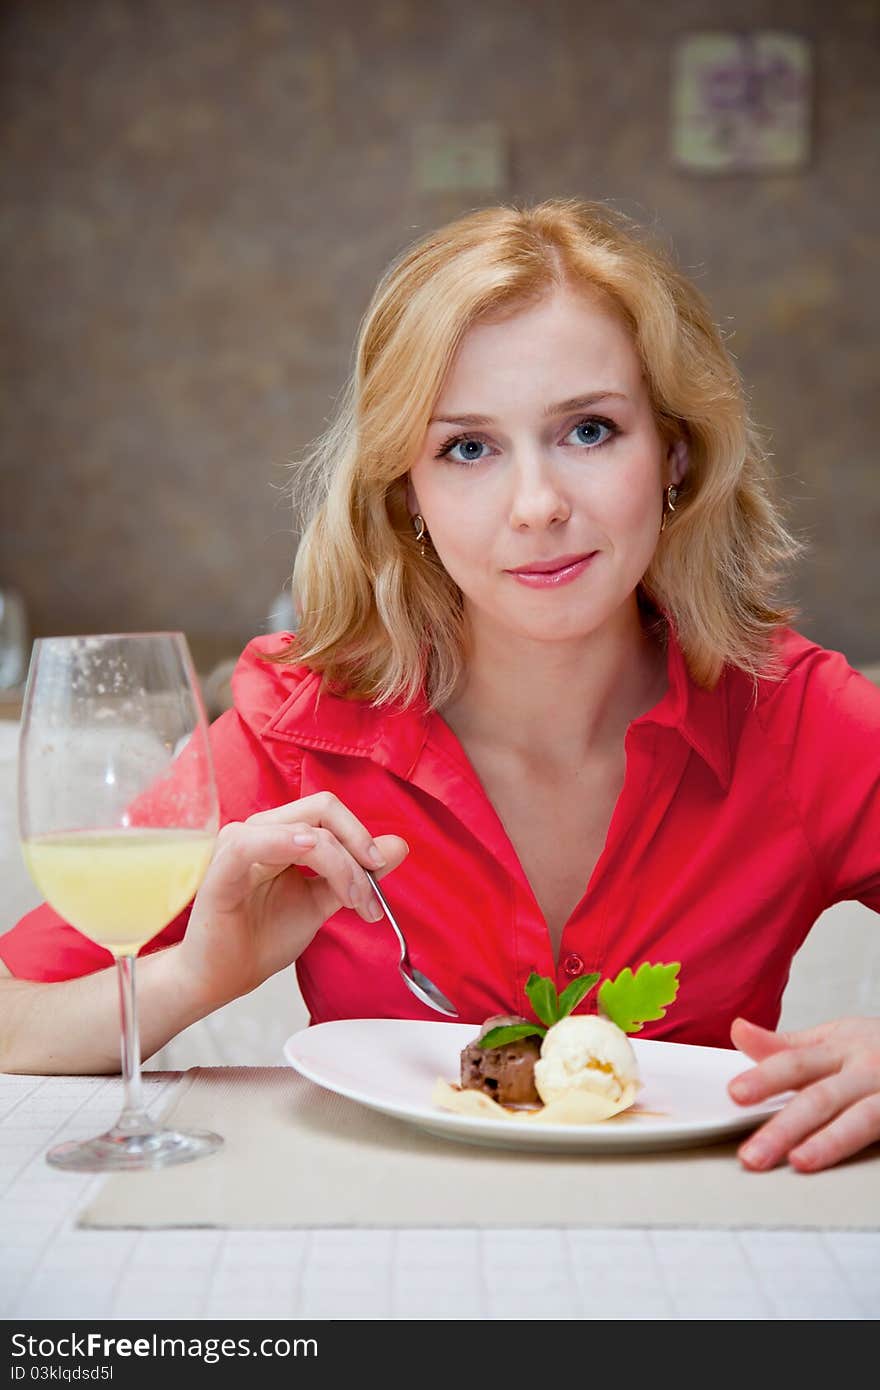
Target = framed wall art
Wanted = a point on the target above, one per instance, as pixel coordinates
(741, 102)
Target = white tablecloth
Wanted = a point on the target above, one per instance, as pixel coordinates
(50, 1269)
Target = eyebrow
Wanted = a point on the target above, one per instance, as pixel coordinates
(563, 408)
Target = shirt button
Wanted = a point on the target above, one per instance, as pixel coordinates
(573, 966)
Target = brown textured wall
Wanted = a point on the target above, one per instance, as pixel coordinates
(198, 196)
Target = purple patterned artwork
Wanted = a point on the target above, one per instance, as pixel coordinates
(741, 102)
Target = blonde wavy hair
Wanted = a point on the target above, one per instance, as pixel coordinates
(382, 622)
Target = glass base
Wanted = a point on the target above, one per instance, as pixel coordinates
(118, 1152)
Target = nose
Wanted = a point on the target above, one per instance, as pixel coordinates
(538, 498)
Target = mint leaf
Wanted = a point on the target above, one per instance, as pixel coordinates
(572, 995)
(510, 1032)
(631, 1000)
(543, 998)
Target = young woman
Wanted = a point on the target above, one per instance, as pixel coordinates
(539, 680)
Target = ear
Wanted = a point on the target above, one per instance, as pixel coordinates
(412, 502)
(677, 461)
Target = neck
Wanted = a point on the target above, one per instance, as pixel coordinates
(551, 702)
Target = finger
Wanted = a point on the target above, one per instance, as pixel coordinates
(331, 861)
(241, 847)
(805, 1113)
(807, 1037)
(325, 811)
(787, 1070)
(249, 854)
(854, 1129)
(756, 1042)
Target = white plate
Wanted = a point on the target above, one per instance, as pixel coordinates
(391, 1064)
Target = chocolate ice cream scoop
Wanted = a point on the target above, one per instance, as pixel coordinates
(506, 1073)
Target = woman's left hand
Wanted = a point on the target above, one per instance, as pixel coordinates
(834, 1070)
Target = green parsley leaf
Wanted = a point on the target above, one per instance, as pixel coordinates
(631, 1000)
(510, 1032)
(572, 995)
(543, 998)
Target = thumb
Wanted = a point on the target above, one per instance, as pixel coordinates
(394, 851)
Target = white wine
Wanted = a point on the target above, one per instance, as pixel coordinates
(119, 887)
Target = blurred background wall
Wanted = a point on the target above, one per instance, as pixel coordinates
(199, 195)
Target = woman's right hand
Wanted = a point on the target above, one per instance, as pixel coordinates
(255, 911)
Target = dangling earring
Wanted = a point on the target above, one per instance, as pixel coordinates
(421, 531)
(670, 497)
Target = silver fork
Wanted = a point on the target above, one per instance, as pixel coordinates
(421, 986)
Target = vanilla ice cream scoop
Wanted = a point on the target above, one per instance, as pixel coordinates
(586, 1053)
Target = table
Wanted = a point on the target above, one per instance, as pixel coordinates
(51, 1270)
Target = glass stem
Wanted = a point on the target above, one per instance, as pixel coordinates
(134, 1118)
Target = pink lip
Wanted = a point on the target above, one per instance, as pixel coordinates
(550, 573)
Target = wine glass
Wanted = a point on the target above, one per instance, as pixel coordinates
(118, 817)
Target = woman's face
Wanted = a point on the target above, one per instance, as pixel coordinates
(546, 509)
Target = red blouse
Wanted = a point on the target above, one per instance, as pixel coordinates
(741, 819)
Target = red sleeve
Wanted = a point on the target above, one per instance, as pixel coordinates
(42, 946)
(826, 719)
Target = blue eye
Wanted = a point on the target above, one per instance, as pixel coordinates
(585, 432)
(467, 445)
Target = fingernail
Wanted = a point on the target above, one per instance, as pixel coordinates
(806, 1158)
(739, 1089)
(755, 1155)
(304, 838)
(374, 854)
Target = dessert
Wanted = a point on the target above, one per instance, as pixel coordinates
(505, 1073)
(565, 1069)
(586, 1053)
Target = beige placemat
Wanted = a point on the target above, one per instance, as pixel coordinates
(297, 1155)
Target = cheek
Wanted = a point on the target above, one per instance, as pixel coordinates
(461, 543)
(459, 515)
(632, 506)
(464, 535)
(636, 516)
